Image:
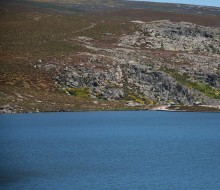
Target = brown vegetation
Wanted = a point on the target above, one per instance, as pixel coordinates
(29, 34)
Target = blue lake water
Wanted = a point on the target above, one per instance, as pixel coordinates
(110, 150)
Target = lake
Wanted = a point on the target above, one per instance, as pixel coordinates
(134, 150)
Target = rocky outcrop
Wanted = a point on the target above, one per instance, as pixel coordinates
(6, 109)
(162, 62)
(171, 36)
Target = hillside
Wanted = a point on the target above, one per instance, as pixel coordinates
(102, 55)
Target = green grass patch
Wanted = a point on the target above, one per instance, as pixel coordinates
(135, 99)
(79, 92)
(185, 80)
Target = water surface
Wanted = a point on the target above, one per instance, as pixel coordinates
(110, 150)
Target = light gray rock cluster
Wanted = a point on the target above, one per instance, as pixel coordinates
(102, 84)
(6, 109)
(171, 36)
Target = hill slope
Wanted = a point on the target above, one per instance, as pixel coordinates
(56, 57)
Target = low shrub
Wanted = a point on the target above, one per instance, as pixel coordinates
(80, 92)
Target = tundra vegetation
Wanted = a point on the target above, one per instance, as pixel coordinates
(75, 55)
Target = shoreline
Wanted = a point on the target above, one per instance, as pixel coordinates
(198, 110)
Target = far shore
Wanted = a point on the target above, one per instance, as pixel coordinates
(179, 108)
